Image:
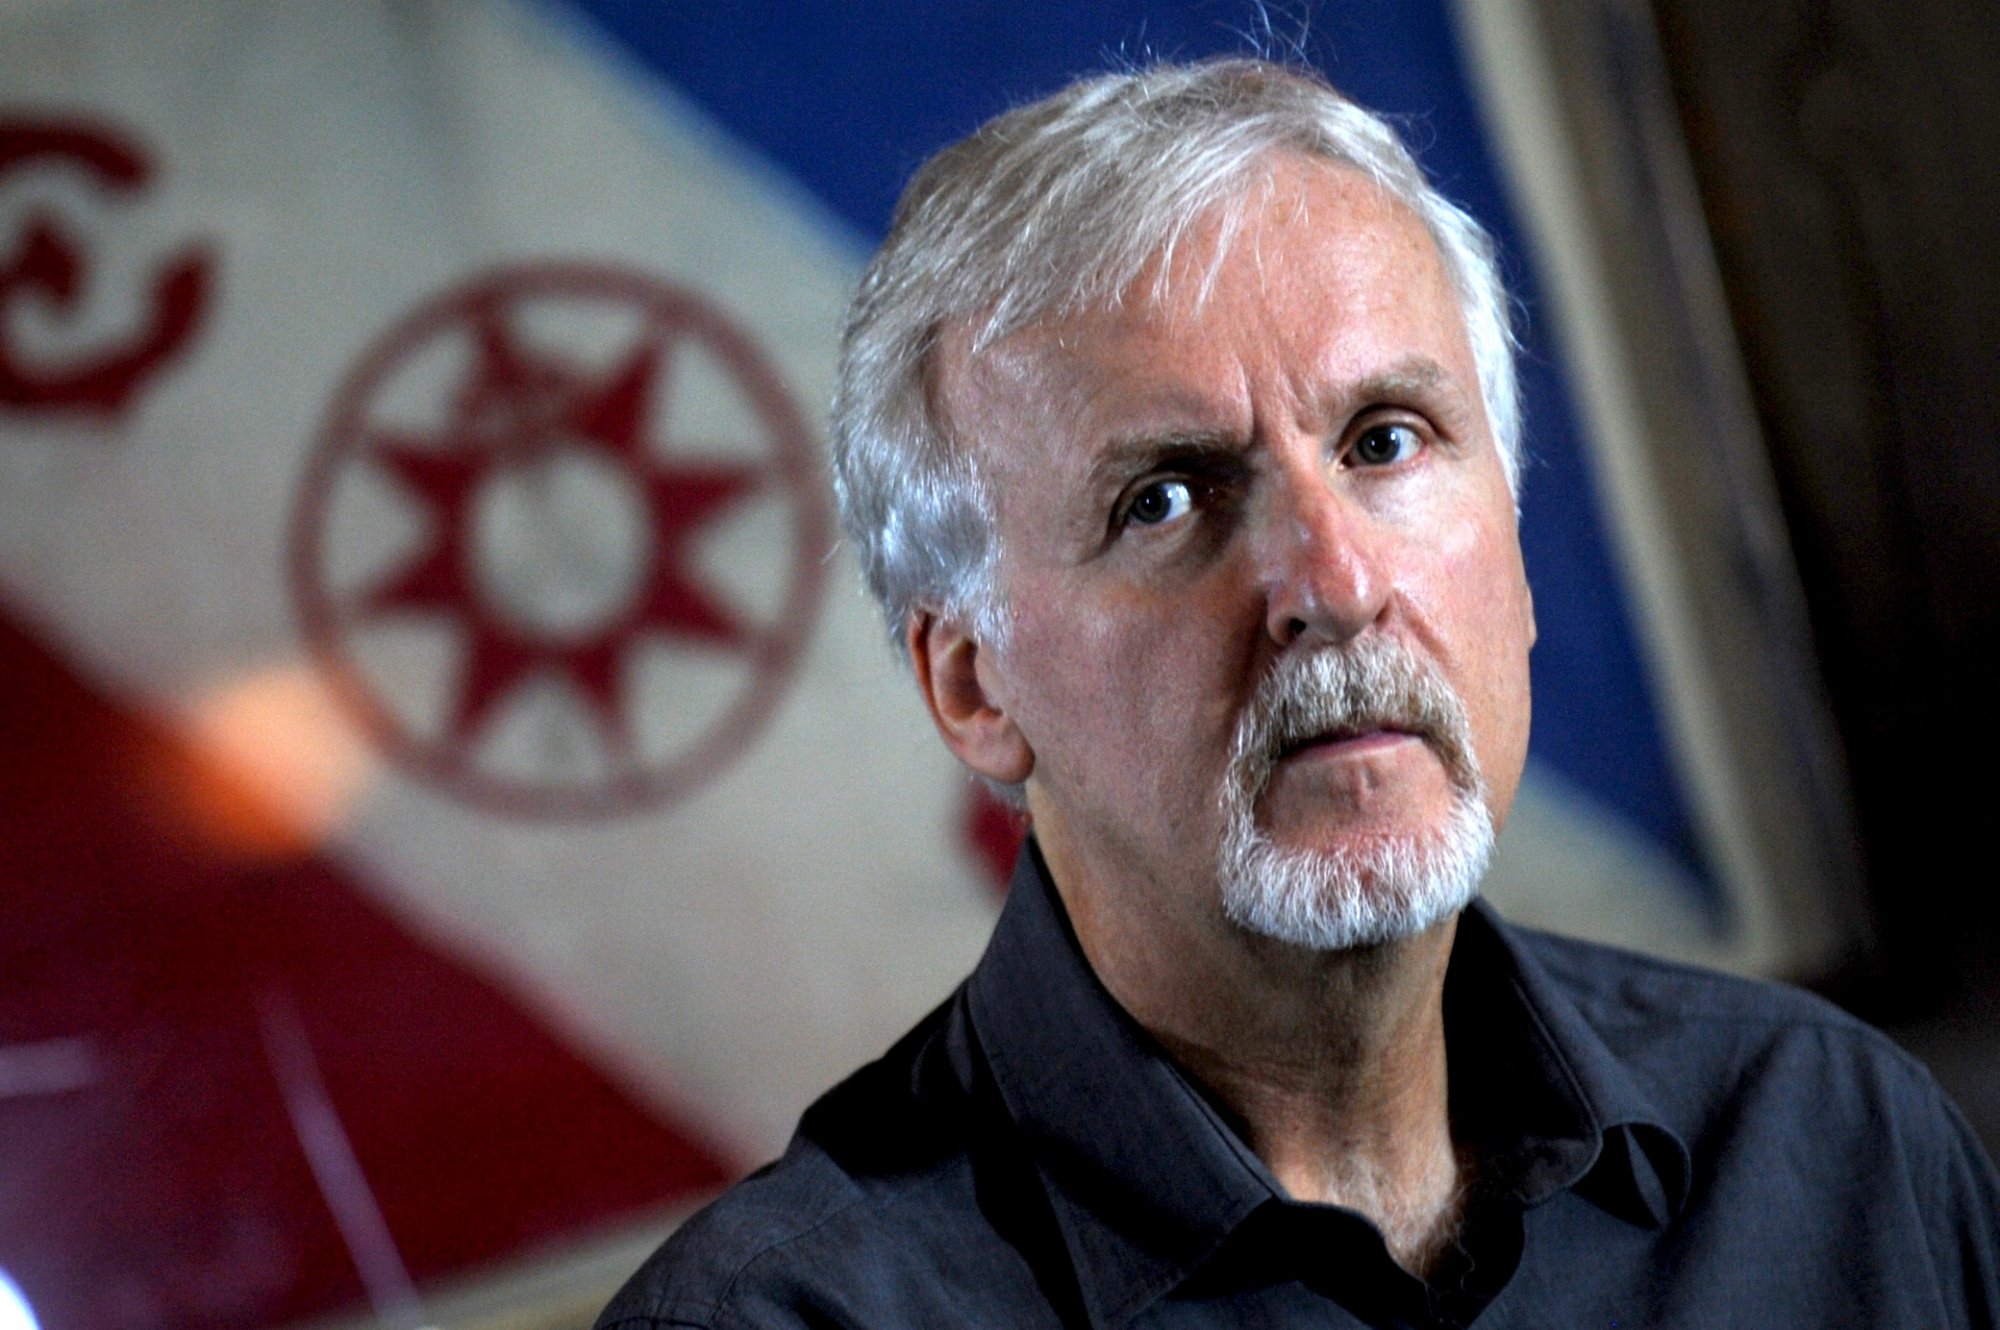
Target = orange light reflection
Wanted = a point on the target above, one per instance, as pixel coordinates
(278, 769)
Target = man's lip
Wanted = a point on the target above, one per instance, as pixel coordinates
(1357, 740)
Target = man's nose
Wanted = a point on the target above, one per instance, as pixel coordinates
(1321, 558)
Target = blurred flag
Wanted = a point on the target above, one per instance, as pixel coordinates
(456, 800)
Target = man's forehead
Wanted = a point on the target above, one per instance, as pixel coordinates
(1184, 255)
(1250, 237)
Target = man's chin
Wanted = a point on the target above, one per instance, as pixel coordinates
(1358, 891)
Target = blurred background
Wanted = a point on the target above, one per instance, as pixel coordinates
(456, 807)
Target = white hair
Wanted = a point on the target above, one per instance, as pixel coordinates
(1056, 207)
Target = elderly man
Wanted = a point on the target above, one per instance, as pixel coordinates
(1177, 435)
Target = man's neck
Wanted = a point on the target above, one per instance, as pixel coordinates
(1332, 1062)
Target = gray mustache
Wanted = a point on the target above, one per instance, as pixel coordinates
(1370, 683)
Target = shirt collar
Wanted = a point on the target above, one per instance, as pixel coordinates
(1147, 1181)
(1624, 1155)
(1144, 1180)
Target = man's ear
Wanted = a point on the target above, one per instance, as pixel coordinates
(957, 685)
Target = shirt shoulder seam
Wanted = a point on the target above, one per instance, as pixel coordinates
(722, 1298)
(1835, 1023)
(718, 1305)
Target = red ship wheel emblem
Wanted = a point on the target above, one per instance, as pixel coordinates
(561, 541)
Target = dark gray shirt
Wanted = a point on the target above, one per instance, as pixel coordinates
(1658, 1146)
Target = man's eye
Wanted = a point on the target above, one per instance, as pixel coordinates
(1160, 501)
(1382, 445)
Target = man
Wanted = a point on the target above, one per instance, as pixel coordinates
(1177, 436)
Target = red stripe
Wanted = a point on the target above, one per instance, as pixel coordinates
(171, 1191)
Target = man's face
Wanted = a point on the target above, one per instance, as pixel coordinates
(1194, 489)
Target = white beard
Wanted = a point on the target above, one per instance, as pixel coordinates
(1389, 887)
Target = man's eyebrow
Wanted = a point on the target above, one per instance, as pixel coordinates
(1126, 456)
(1405, 378)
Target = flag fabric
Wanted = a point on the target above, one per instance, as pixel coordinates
(457, 800)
